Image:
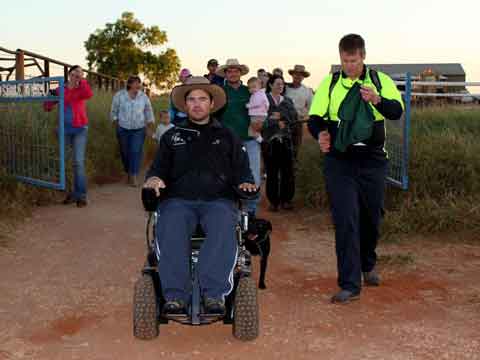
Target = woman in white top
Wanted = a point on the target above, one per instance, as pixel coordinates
(132, 113)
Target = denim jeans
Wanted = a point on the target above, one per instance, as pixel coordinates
(253, 151)
(78, 143)
(131, 148)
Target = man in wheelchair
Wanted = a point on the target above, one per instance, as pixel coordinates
(199, 168)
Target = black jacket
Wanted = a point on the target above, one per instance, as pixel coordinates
(201, 162)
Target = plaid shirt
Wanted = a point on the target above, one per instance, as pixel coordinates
(131, 113)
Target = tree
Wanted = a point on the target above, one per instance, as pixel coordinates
(128, 47)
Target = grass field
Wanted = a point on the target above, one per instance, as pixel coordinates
(444, 193)
(27, 126)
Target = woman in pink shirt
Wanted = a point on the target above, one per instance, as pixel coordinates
(77, 92)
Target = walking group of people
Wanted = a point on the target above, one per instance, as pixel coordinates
(213, 137)
(267, 114)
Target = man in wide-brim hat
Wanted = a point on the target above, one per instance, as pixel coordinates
(302, 99)
(299, 69)
(233, 63)
(197, 166)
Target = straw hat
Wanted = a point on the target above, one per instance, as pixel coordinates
(299, 69)
(194, 83)
(232, 63)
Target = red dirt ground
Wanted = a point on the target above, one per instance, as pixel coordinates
(68, 275)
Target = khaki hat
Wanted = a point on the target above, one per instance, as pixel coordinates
(299, 69)
(232, 63)
(194, 83)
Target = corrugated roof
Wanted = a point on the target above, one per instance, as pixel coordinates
(444, 69)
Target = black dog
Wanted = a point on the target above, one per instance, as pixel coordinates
(257, 242)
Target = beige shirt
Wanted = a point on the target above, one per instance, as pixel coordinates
(302, 99)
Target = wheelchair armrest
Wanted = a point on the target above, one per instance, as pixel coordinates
(245, 195)
(150, 199)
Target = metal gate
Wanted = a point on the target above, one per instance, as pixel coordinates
(32, 139)
(397, 141)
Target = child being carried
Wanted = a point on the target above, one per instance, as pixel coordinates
(257, 108)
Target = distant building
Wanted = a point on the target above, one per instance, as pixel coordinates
(451, 72)
(445, 72)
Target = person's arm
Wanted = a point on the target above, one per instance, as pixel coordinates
(319, 108)
(115, 109)
(390, 109)
(308, 102)
(241, 164)
(148, 111)
(391, 104)
(82, 92)
(50, 105)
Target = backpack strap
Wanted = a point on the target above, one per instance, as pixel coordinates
(375, 80)
(335, 77)
(333, 82)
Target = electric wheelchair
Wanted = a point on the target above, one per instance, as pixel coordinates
(241, 305)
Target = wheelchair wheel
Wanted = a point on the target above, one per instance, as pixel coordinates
(145, 325)
(245, 313)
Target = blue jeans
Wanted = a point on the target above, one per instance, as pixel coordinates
(253, 151)
(78, 144)
(177, 220)
(131, 148)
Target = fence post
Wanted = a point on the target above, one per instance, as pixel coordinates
(406, 130)
(46, 68)
(20, 65)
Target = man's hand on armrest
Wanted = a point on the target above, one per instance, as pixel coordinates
(155, 183)
(247, 187)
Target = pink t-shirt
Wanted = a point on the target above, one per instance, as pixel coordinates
(258, 104)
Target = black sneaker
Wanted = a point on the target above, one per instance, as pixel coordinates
(173, 307)
(287, 206)
(214, 306)
(69, 199)
(273, 208)
(344, 297)
(82, 203)
(371, 278)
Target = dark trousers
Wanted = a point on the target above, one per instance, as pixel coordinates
(131, 148)
(177, 220)
(356, 190)
(279, 166)
(297, 138)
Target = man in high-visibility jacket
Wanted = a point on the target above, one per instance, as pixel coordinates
(355, 172)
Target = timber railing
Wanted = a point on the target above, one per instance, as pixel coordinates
(23, 59)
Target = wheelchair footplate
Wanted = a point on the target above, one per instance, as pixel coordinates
(198, 319)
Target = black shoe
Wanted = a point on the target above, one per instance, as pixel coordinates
(371, 278)
(82, 203)
(344, 297)
(273, 208)
(287, 206)
(69, 199)
(214, 306)
(173, 307)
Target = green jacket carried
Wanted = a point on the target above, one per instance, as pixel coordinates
(356, 120)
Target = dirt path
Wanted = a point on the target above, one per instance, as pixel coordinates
(67, 283)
